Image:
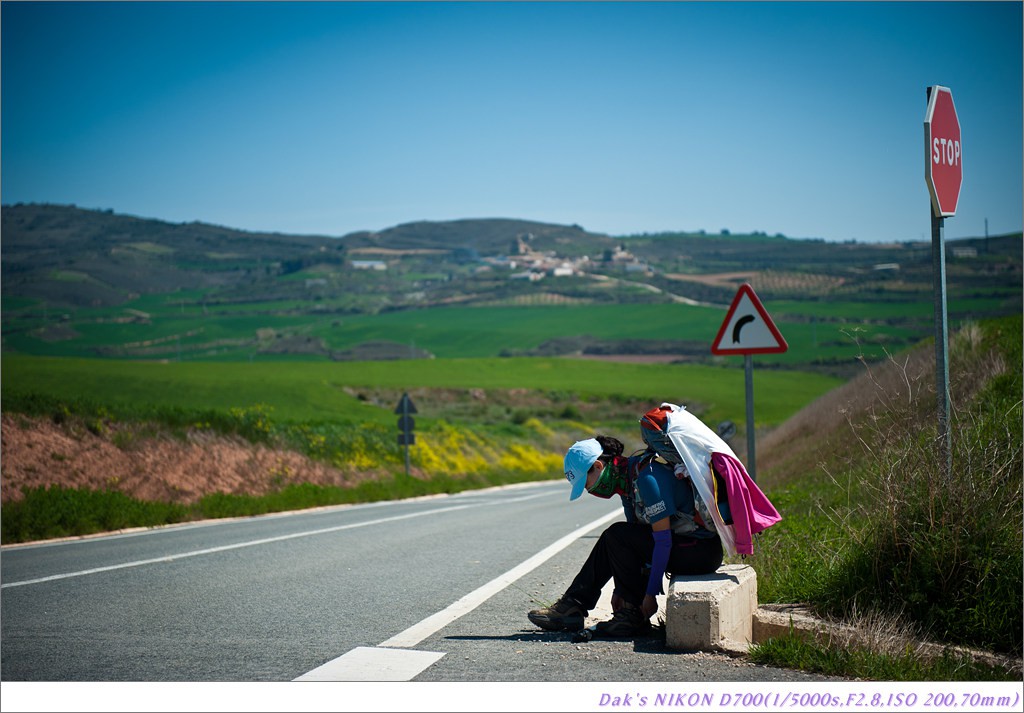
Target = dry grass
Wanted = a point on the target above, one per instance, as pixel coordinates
(897, 394)
(820, 434)
(886, 537)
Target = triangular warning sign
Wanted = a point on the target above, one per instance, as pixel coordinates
(405, 405)
(747, 328)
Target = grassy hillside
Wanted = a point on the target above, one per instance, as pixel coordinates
(69, 257)
(874, 525)
(96, 284)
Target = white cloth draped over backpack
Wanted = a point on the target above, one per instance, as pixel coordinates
(697, 445)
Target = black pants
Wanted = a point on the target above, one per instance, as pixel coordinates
(623, 553)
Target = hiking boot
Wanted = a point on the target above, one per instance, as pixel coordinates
(564, 615)
(627, 621)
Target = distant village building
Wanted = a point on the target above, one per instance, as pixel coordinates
(965, 252)
(134, 315)
(527, 264)
(369, 265)
(519, 245)
(620, 254)
(505, 263)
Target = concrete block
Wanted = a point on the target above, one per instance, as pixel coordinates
(712, 612)
(781, 620)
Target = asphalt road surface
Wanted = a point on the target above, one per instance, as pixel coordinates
(426, 590)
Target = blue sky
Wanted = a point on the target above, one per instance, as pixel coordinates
(799, 118)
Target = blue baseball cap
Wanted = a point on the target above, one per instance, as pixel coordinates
(578, 460)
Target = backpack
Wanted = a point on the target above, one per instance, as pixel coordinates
(653, 425)
(653, 431)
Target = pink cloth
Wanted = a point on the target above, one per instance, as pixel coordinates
(751, 510)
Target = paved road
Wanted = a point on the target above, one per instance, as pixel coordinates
(426, 590)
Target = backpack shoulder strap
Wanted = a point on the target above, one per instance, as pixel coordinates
(640, 459)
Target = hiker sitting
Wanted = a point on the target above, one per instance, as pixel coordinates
(662, 532)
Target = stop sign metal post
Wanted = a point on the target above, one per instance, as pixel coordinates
(943, 151)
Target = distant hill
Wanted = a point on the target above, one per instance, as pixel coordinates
(79, 282)
(75, 257)
(482, 237)
(67, 257)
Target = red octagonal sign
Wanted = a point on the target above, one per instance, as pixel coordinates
(943, 153)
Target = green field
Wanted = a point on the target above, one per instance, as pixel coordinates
(816, 332)
(316, 391)
(479, 422)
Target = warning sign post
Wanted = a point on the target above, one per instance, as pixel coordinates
(406, 423)
(748, 330)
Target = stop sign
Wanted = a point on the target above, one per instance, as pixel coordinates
(943, 154)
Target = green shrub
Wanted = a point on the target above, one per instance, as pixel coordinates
(861, 663)
(365, 446)
(947, 545)
(55, 511)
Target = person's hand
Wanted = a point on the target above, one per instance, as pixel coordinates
(649, 606)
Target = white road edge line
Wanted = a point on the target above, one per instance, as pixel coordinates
(225, 548)
(213, 550)
(389, 659)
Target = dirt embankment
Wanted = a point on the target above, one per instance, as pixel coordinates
(38, 452)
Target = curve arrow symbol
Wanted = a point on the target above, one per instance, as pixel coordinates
(740, 323)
